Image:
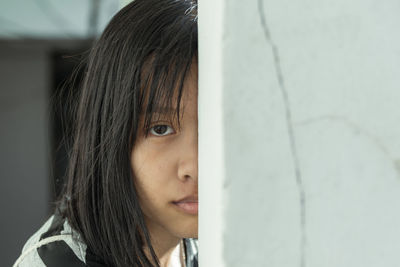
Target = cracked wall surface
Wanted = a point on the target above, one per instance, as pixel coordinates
(309, 139)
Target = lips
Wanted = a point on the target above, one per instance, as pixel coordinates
(187, 204)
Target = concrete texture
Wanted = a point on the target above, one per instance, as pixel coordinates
(303, 169)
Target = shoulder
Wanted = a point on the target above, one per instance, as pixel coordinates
(54, 244)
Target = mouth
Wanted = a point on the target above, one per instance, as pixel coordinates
(189, 205)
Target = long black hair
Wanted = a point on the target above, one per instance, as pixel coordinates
(139, 62)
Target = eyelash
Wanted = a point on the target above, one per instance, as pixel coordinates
(169, 130)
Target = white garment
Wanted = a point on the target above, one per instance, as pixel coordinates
(176, 256)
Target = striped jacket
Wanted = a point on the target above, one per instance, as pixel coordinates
(55, 244)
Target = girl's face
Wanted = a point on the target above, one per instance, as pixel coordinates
(165, 166)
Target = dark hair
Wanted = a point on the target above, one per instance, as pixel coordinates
(139, 62)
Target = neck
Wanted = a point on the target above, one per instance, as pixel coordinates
(163, 244)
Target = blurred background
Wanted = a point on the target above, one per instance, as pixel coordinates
(41, 44)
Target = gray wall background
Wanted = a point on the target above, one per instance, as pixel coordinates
(30, 158)
(29, 32)
(24, 142)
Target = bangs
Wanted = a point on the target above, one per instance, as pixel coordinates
(162, 87)
(168, 62)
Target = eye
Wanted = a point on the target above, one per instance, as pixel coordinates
(161, 130)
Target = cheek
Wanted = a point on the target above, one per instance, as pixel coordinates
(153, 169)
(152, 156)
(151, 166)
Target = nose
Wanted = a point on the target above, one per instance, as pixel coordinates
(188, 163)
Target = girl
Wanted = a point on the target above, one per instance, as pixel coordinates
(131, 198)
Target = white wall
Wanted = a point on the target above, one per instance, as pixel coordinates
(299, 133)
(211, 133)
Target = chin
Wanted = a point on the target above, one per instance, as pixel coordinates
(193, 233)
(189, 230)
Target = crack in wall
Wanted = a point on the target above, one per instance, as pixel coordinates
(290, 129)
(358, 129)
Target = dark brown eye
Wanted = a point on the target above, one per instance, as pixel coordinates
(161, 130)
